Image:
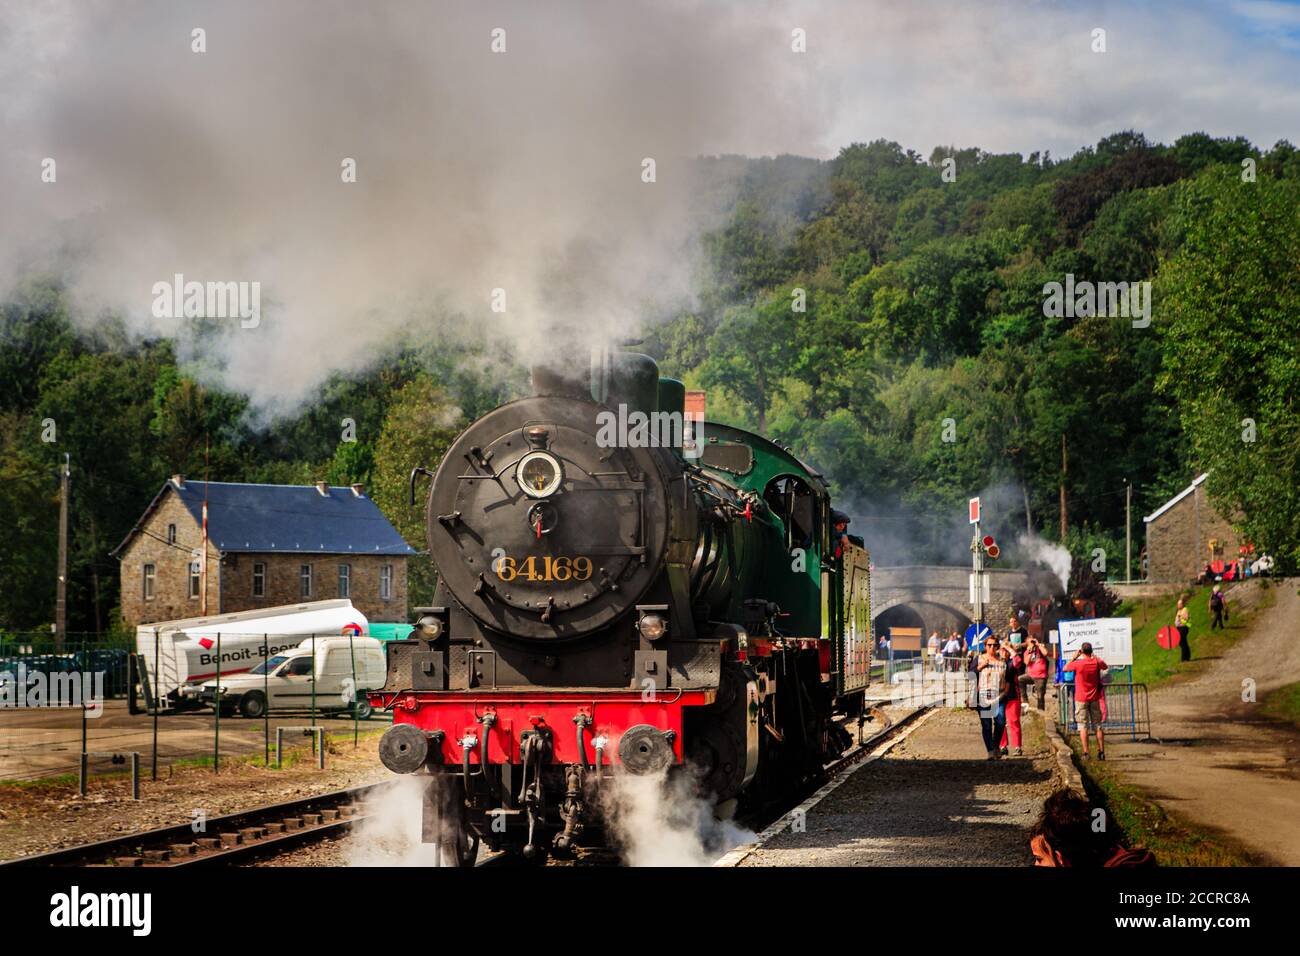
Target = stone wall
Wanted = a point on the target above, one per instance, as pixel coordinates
(941, 595)
(283, 582)
(171, 563)
(1178, 542)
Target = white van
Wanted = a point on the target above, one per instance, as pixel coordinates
(335, 679)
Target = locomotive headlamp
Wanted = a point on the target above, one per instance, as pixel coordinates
(652, 626)
(430, 627)
(539, 474)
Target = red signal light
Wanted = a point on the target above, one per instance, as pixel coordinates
(993, 551)
(988, 541)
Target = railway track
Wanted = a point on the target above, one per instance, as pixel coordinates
(225, 840)
(772, 819)
(870, 748)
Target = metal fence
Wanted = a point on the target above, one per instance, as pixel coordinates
(924, 679)
(1124, 709)
(30, 655)
(85, 705)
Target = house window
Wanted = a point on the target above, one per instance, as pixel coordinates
(194, 579)
(259, 579)
(148, 582)
(386, 582)
(305, 575)
(345, 580)
(171, 534)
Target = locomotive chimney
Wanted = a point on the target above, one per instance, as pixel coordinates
(571, 380)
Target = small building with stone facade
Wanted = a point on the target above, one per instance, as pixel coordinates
(1186, 533)
(267, 545)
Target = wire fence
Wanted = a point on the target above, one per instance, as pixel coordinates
(84, 705)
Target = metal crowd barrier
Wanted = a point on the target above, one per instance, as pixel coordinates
(1126, 710)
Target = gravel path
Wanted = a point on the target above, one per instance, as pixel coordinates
(1216, 761)
(934, 800)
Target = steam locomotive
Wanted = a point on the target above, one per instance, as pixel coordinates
(665, 597)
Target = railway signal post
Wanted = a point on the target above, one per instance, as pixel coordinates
(980, 545)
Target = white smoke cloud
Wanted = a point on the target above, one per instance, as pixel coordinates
(1053, 556)
(660, 820)
(391, 833)
(518, 170)
(476, 171)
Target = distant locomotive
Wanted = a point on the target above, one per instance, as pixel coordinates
(606, 604)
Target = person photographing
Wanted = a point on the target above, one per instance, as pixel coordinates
(1088, 693)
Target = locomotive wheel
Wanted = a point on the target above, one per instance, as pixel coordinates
(446, 815)
(461, 847)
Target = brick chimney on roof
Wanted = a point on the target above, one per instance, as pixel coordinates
(323, 488)
(358, 491)
(178, 481)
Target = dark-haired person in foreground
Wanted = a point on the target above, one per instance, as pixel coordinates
(1066, 836)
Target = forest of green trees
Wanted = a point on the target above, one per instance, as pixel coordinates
(881, 313)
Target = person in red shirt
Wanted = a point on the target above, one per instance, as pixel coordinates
(1088, 695)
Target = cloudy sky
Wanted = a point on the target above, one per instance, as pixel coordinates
(523, 170)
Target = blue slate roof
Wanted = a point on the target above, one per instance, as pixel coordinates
(288, 518)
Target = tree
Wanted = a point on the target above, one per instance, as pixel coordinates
(1229, 301)
(29, 522)
(420, 425)
(101, 404)
(749, 354)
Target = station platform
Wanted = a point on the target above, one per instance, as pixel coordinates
(933, 800)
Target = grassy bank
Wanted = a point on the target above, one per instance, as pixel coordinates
(1174, 840)
(1282, 704)
(1152, 664)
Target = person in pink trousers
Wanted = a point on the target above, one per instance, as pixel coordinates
(1015, 664)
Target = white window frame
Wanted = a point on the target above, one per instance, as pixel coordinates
(196, 585)
(386, 582)
(259, 579)
(304, 581)
(345, 580)
(149, 574)
(171, 534)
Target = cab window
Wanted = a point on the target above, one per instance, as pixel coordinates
(298, 667)
(793, 501)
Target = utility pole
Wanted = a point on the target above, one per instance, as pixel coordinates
(61, 601)
(203, 557)
(1065, 524)
(1128, 532)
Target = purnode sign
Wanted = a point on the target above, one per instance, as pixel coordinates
(1111, 638)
